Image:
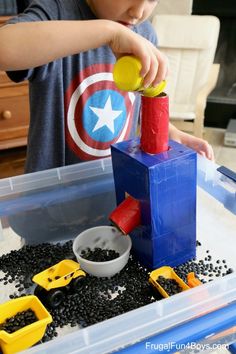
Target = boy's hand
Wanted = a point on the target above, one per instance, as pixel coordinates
(201, 146)
(154, 63)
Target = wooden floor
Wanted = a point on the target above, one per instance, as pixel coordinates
(12, 162)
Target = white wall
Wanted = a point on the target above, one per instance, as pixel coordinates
(174, 7)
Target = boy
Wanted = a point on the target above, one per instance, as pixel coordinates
(67, 49)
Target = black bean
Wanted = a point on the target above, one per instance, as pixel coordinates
(99, 255)
(130, 287)
(169, 285)
(20, 320)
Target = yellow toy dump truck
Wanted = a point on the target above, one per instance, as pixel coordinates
(15, 338)
(192, 280)
(167, 282)
(56, 281)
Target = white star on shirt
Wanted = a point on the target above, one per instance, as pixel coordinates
(106, 116)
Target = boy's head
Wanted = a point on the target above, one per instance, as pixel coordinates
(128, 12)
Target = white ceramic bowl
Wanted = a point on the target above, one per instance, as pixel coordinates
(105, 237)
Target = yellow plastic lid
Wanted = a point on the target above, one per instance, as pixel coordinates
(126, 74)
(155, 91)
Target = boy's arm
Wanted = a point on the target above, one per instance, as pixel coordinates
(201, 146)
(31, 44)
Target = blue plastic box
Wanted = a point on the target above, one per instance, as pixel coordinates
(58, 204)
(165, 186)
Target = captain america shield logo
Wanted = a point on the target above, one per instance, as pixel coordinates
(98, 114)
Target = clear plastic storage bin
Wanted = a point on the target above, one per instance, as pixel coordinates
(56, 205)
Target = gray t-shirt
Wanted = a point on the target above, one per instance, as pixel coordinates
(76, 110)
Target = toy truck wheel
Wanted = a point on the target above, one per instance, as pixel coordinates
(55, 297)
(75, 284)
(41, 293)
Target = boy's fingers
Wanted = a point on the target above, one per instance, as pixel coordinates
(207, 148)
(145, 61)
(149, 60)
(151, 75)
(202, 153)
(155, 68)
(210, 153)
(163, 70)
(207, 151)
(162, 73)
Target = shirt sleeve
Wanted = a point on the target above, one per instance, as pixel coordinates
(39, 10)
(146, 30)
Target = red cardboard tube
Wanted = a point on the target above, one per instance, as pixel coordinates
(154, 124)
(127, 216)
